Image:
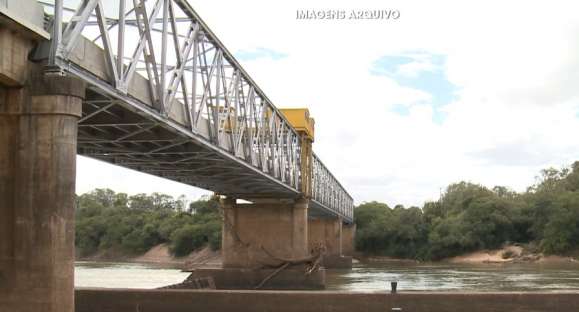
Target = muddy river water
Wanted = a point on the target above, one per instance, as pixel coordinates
(366, 276)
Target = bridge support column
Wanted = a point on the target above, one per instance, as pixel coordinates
(253, 233)
(348, 239)
(327, 233)
(38, 132)
(259, 237)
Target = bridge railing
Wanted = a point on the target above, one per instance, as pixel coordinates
(191, 78)
(328, 191)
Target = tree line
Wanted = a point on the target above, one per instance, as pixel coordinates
(469, 217)
(106, 220)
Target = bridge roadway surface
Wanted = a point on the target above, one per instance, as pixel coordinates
(176, 104)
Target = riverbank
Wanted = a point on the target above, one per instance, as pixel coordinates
(510, 254)
(505, 255)
(160, 255)
(205, 257)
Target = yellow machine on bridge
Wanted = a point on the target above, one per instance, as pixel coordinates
(299, 119)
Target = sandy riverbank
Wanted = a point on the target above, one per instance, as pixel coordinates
(503, 255)
(160, 255)
(509, 254)
(208, 258)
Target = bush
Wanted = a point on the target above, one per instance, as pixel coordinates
(187, 239)
(106, 220)
(507, 254)
(215, 240)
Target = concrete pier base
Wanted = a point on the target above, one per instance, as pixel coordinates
(348, 239)
(327, 233)
(337, 262)
(38, 131)
(288, 279)
(260, 236)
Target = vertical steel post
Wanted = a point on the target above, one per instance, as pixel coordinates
(163, 93)
(56, 32)
(193, 108)
(121, 39)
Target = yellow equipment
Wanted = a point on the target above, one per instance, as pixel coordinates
(299, 119)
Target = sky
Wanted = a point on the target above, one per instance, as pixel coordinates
(483, 91)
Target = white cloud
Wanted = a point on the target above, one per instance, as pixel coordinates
(515, 66)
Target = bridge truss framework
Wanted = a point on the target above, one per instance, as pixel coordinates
(174, 102)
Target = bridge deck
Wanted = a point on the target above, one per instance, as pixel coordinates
(138, 139)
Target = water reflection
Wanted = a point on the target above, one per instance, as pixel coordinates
(455, 277)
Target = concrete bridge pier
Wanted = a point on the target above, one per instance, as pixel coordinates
(328, 233)
(259, 237)
(38, 131)
(259, 233)
(348, 239)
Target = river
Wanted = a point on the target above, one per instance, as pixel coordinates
(365, 276)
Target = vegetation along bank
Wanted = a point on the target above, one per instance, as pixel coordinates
(466, 218)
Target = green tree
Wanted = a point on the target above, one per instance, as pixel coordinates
(108, 220)
(561, 233)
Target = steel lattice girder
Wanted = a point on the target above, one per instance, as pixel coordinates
(161, 81)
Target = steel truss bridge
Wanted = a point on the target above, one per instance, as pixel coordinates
(167, 98)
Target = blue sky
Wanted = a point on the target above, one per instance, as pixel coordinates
(428, 75)
(259, 53)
